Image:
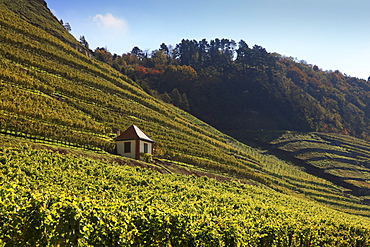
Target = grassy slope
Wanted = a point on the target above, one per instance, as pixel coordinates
(50, 92)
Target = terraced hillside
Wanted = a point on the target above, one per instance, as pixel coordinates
(342, 159)
(345, 159)
(52, 93)
(81, 198)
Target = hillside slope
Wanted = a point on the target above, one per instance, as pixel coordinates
(53, 199)
(53, 93)
(342, 159)
(249, 87)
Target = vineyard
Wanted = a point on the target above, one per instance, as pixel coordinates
(50, 199)
(53, 95)
(343, 157)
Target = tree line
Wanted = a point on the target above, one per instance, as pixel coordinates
(234, 86)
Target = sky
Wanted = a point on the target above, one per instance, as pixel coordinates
(332, 34)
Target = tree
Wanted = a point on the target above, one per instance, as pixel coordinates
(164, 48)
(159, 59)
(67, 27)
(179, 76)
(103, 55)
(222, 52)
(165, 97)
(184, 103)
(140, 54)
(228, 48)
(84, 42)
(176, 97)
(242, 51)
(297, 76)
(187, 52)
(203, 48)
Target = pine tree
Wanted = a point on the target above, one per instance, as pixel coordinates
(176, 97)
(84, 42)
(165, 98)
(184, 103)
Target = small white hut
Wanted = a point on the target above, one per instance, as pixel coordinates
(132, 142)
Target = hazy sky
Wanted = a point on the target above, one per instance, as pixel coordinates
(333, 34)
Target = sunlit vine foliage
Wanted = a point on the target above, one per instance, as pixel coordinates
(53, 199)
(50, 91)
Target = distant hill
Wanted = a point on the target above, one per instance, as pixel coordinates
(54, 96)
(236, 87)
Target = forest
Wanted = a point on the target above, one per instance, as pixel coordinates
(249, 87)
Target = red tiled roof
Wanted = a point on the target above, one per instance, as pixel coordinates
(133, 133)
